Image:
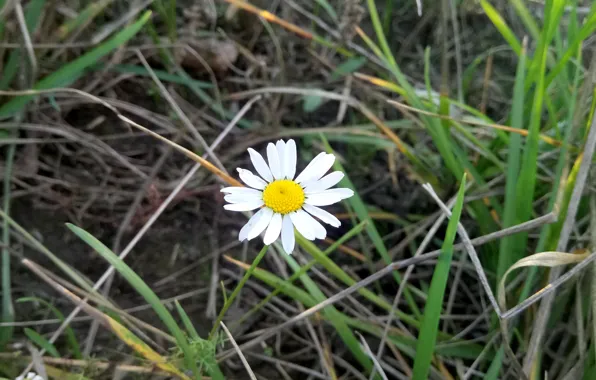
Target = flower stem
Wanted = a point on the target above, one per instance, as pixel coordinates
(232, 297)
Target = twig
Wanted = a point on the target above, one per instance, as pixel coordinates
(244, 362)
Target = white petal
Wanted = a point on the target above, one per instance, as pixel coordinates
(322, 214)
(260, 165)
(341, 192)
(318, 166)
(273, 158)
(243, 234)
(306, 173)
(319, 230)
(261, 223)
(243, 198)
(273, 230)
(281, 153)
(302, 225)
(321, 168)
(290, 159)
(246, 206)
(240, 190)
(322, 199)
(251, 180)
(287, 234)
(324, 183)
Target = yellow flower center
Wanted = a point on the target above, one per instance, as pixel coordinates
(283, 196)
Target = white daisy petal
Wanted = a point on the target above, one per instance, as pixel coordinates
(322, 167)
(273, 230)
(322, 214)
(280, 145)
(245, 206)
(251, 180)
(318, 229)
(273, 158)
(324, 183)
(341, 192)
(302, 225)
(242, 198)
(260, 165)
(261, 223)
(240, 190)
(243, 234)
(309, 169)
(288, 239)
(322, 199)
(290, 159)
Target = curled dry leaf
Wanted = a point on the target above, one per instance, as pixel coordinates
(543, 259)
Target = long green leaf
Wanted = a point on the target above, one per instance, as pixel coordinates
(362, 212)
(333, 316)
(507, 246)
(427, 338)
(142, 288)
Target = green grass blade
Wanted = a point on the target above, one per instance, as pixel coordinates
(348, 235)
(341, 275)
(42, 342)
(84, 17)
(362, 212)
(334, 317)
(71, 338)
(73, 70)
(456, 349)
(239, 286)
(187, 322)
(145, 291)
(527, 18)
(501, 26)
(347, 67)
(506, 246)
(328, 8)
(427, 337)
(7, 307)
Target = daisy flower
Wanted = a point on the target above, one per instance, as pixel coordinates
(30, 376)
(286, 201)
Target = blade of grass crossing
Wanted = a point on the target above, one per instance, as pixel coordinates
(427, 337)
(355, 230)
(333, 316)
(339, 273)
(362, 213)
(73, 70)
(144, 290)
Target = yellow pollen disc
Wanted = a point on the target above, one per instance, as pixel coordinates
(283, 196)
